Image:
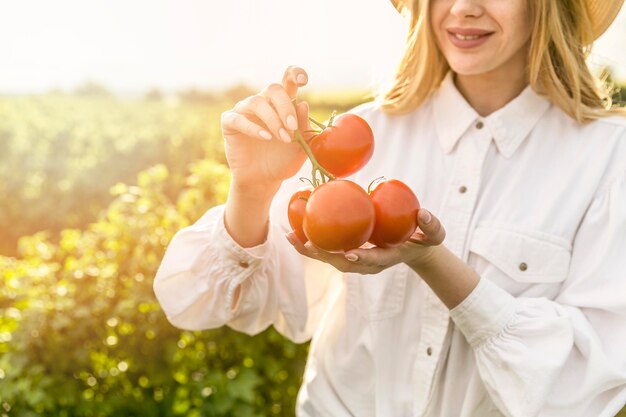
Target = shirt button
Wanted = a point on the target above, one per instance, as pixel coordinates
(462, 189)
(244, 264)
(479, 125)
(523, 266)
(429, 351)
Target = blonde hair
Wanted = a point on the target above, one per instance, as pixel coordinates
(561, 40)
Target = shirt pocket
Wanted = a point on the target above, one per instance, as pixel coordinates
(520, 256)
(380, 296)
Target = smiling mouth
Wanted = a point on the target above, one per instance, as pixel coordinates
(467, 37)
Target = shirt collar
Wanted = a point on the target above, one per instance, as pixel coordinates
(509, 126)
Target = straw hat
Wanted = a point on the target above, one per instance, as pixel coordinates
(601, 12)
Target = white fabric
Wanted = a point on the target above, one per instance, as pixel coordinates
(542, 220)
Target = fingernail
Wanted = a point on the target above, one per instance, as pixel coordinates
(284, 135)
(301, 78)
(352, 257)
(425, 216)
(291, 122)
(289, 237)
(265, 134)
(309, 246)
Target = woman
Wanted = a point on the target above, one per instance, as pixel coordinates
(496, 123)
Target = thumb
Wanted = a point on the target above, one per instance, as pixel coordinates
(294, 78)
(432, 230)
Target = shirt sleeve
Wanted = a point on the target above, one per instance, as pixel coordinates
(565, 356)
(206, 280)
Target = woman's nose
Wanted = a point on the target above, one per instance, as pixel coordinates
(466, 8)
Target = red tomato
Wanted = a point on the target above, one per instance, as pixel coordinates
(396, 209)
(339, 216)
(345, 147)
(295, 212)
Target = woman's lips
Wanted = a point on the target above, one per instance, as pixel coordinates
(468, 38)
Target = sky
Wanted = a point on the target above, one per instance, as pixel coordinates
(135, 45)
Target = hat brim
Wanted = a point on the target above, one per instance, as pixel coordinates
(602, 14)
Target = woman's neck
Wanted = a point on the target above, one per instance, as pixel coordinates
(491, 91)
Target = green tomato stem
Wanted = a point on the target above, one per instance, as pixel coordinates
(325, 175)
(332, 118)
(318, 124)
(316, 167)
(375, 181)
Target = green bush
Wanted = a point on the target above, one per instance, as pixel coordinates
(81, 333)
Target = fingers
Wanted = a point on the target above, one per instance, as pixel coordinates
(374, 257)
(339, 260)
(233, 122)
(311, 251)
(431, 232)
(271, 112)
(297, 243)
(293, 78)
(262, 108)
(283, 105)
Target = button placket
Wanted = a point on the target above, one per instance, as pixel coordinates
(434, 331)
(456, 214)
(459, 205)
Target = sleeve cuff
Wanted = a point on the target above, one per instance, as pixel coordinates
(484, 313)
(244, 261)
(235, 253)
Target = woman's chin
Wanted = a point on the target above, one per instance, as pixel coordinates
(470, 68)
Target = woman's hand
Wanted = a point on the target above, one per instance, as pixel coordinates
(371, 260)
(259, 133)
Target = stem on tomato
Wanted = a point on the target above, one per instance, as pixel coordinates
(332, 117)
(375, 181)
(318, 124)
(305, 179)
(325, 175)
(316, 167)
(315, 122)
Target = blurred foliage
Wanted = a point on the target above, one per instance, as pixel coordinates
(59, 154)
(619, 97)
(81, 333)
(92, 89)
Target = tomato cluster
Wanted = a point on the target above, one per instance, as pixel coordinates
(338, 214)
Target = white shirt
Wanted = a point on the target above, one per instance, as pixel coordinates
(533, 201)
